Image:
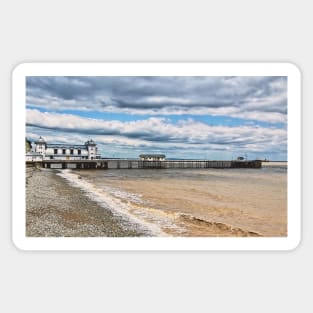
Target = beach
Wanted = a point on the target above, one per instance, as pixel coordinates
(187, 203)
(57, 209)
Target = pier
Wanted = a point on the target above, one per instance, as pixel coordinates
(74, 156)
(140, 164)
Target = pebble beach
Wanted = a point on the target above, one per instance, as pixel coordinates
(57, 209)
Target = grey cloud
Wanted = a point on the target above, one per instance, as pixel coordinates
(82, 131)
(144, 95)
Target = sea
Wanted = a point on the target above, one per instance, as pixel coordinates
(192, 202)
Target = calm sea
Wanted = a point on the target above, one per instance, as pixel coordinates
(193, 202)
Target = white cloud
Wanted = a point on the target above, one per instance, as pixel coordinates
(156, 133)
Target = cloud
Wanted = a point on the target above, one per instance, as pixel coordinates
(255, 98)
(152, 103)
(155, 133)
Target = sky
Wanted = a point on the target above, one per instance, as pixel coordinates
(185, 117)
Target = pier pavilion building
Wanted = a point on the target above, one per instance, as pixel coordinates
(60, 151)
(152, 157)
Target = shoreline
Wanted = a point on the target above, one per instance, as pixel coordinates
(164, 222)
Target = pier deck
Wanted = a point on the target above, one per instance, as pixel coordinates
(138, 164)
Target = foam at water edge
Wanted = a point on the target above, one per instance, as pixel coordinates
(104, 199)
(136, 198)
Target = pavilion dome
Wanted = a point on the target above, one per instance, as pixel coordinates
(40, 140)
(90, 143)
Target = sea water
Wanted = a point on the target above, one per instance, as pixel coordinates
(193, 202)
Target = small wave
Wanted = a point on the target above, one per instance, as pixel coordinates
(127, 196)
(221, 227)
